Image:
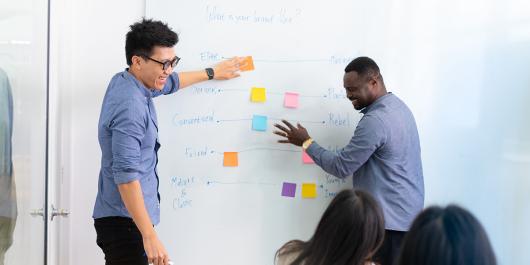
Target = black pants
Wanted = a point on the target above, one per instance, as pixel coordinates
(120, 240)
(389, 251)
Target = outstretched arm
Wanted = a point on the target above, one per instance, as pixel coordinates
(224, 70)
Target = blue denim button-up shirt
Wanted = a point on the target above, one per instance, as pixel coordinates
(384, 158)
(128, 138)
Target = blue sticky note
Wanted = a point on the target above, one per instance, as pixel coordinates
(259, 123)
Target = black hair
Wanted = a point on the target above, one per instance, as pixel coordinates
(446, 236)
(364, 66)
(349, 233)
(145, 35)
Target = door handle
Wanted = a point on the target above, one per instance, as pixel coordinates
(37, 212)
(57, 212)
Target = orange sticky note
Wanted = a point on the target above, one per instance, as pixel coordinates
(309, 190)
(230, 159)
(248, 64)
(257, 94)
(306, 158)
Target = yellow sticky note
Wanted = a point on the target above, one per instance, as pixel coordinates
(309, 190)
(230, 159)
(257, 94)
(248, 64)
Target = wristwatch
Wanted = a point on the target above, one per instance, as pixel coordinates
(307, 143)
(210, 73)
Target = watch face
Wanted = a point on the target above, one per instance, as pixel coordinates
(209, 72)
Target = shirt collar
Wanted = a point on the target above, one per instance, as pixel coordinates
(375, 103)
(146, 91)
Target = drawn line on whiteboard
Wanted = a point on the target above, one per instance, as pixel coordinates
(233, 90)
(287, 60)
(270, 149)
(273, 119)
(241, 183)
(271, 93)
(260, 149)
(219, 121)
(317, 122)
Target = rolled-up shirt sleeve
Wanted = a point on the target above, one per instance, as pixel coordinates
(171, 86)
(128, 128)
(369, 135)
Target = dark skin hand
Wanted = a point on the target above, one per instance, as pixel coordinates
(291, 134)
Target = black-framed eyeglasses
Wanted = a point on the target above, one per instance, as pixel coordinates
(165, 64)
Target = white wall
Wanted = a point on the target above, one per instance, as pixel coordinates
(89, 38)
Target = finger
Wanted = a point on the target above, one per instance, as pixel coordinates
(154, 261)
(166, 260)
(150, 258)
(282, 134)
(240, 60)
(300, 126)
(287, 131)
(284, 141)
(288, 124)
(235, 61)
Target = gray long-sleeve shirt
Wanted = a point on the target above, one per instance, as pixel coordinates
(384, 158)
(8, 202)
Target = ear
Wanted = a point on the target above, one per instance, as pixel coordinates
(137, 62)
(372, 82)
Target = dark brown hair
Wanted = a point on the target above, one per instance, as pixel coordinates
(349, 233)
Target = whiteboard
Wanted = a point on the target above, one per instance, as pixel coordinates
(461, 66)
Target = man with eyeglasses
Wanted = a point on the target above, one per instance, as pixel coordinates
(128, 203)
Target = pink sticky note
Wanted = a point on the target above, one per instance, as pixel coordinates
(291, 100)
(306, 158)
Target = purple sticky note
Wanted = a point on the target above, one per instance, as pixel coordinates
(306, 158)
(291, 100)
(289, 189)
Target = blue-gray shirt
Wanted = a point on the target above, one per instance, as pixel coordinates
(128, 138)
(384, 158)
(8, 202)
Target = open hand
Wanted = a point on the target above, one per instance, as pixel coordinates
(291, 134)
(228, 69)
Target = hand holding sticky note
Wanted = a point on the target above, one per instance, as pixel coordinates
(247, 65)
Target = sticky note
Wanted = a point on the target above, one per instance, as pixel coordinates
(309, 190)
(248, 64)
(291, 100)
(306, 158)
(288, 189)
(259, 123)
(257, 94)
(230, 159)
